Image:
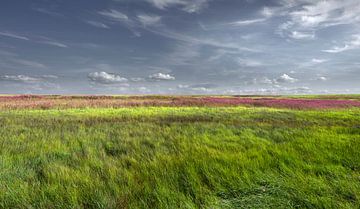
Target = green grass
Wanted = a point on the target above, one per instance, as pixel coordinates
(185, 157)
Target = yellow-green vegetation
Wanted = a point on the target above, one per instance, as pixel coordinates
(180, 157)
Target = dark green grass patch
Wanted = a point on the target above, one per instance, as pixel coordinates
(180, 158)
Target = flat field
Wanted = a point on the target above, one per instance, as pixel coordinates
(180, 152)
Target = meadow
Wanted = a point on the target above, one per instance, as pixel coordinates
(180, 152)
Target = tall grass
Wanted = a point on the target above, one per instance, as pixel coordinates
(186, 157)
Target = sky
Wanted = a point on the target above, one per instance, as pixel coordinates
(179, 46)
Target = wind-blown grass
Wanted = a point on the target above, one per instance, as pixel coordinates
(184, 157)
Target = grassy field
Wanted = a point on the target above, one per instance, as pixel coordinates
(189, 156)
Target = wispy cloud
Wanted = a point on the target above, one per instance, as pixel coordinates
(154, 20)
(49, 12)
(301, 35)
(114, 15)
(14, 35)
(120, 17)
(311, 63)
(249, 62)
(201, 41)
(137, 79)
(247, 22)
(7, 53)
(43, 39)
(29, 63)
(194, 6)
(28, 79)
(54, 43)
(327, 13)
(97, 24)
(262, 16)
(353, 44)
(19, 78)
(190, 6)
(183, 54)
(51, 42)
(306, 17)
(31, 83)
(262, 81)
(149, 20)
(163, 4)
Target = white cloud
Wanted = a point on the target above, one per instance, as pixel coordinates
(249, 63)
(163, 4)
(97, 24)
(280, 90)
(190, 6)
(285, 78)
(318, 61)
(106, 78)
(201, 89)
(262, 80)
(183, 86)
(161, 76)
(204, 85)
(311, 63)
(322, 78)
(149, 20)
(19, 78)
(115, 15)
(353, 44)
(337, 49)
(267, 12)
(195, 5)
(13, 35)
(197, 88)
(143, 89)
(38, 83)
(137, 79)
(297, 90)
(247, 22)
(301, 35)
(50, 76)
(54, 43)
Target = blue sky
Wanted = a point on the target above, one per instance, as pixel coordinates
(179, 46)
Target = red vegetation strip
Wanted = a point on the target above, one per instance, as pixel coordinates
(49, 102)
(285, 103)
